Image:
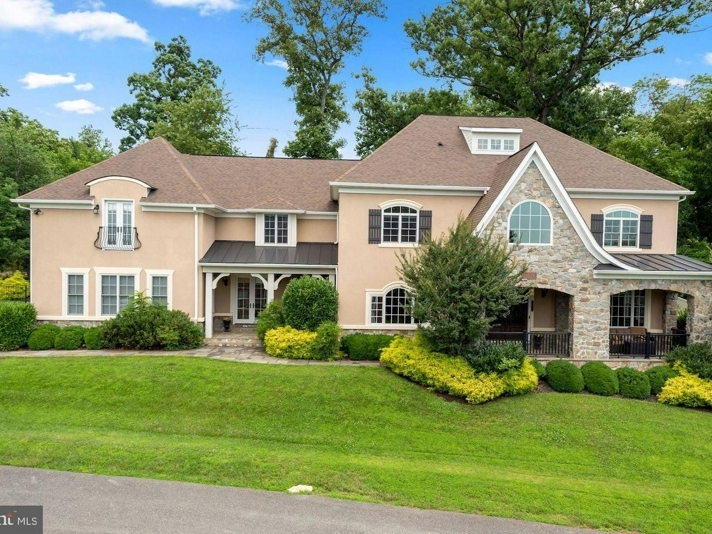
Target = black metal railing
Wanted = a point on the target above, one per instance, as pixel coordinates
(117, 238)
(536, 343)
(644, 345)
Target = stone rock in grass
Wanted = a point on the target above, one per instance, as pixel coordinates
(301, 488)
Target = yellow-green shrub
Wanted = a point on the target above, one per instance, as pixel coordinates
(14, 287)
(288, 342)
(452, 374)
(686, 390)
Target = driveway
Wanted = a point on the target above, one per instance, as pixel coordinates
(79, 503)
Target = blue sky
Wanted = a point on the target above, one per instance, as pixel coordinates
(66, 62)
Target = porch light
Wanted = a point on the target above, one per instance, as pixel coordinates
(96, 209)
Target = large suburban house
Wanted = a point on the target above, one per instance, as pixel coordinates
(222, 236)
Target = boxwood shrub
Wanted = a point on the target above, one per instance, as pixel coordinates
(658, 375)
(269, 318)
(599, 379)
(17, 321)
(94, 338)
(43, 337)
(69, 338)
(365, 346)
(634, 384)
(308, 302)
(538, 367)
(564, 376)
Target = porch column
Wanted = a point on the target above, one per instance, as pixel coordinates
(590, 318)
(670, 312)
(208, 305)
(270, 287)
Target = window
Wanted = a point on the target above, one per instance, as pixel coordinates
(115, 292)
(277, 229)
(75, 294)
(482, 144)
(508, 144)
(495, 144)
(392, 307)
(159, 290)
(628, 309)
(118, 233)
(530, 224)
(620, 229)
(400, 225)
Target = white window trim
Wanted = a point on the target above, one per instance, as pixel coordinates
(382, 293)
(551, 233)
(66, 271)
(168, 273)
(622, 207)
(291, 230)
(105, 219)
(116, 271)
(408, 204)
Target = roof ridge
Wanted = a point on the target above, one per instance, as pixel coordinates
(172, 151)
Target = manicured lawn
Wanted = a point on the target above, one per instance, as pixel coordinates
(362, 433)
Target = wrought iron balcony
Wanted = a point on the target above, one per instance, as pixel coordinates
(117, 238)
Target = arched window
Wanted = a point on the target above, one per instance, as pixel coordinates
(391, 307)
(400, 225)
(620, 229)
(530, 224)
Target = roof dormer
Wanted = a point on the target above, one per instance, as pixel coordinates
(492, 141)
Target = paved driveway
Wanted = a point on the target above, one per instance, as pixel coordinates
(93, 504)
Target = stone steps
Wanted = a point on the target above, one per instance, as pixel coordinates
(238, 337)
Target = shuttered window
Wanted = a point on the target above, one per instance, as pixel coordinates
(398, 224)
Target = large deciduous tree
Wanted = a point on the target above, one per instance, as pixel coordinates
(178, 88)
(314, 37)
(460, 284)
(534, 56)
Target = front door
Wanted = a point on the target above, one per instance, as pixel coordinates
(250, 299)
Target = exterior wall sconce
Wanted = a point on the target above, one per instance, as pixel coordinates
(38, 211)
(96, 209)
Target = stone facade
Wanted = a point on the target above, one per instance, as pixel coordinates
(567, 267)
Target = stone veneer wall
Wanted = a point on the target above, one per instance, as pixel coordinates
(568, 267)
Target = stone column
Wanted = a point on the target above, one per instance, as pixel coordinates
(670, 312)
(591, 316)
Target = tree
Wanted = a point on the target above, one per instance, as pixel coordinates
(89, 148)
(314, 37)
(3, 91)
(199, 124)
(173, 79)
(531, 56)
(459, 284)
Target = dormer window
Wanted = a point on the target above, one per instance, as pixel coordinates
(276, 229)
(493, 141)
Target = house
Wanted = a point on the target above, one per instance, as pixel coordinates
(222, 236)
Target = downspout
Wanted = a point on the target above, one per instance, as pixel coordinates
(197, 277)
(32, 271)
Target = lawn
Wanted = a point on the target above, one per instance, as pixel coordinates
(362, 433)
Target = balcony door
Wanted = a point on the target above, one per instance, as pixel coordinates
(250, 299)
(119, 224)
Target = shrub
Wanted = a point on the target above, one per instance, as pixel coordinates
(17, 320)
(271, 317)
(599, 379)
(365, 346)
(94, 338)
(697, 359)
(658, 376)
(43, 337)
(178, 332)
(69, 338)
(634, 384)
(288, 342)
(564, 376)
(682, 319)
(326, 343)
(522, 380)
(490, 358)
(14, 287)
(308, 302)
(538, 367)
(687, 389)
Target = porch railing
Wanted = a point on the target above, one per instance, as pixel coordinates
(644, 345)
(536, 343)
(117, 238)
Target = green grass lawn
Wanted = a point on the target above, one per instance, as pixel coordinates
(362, 433)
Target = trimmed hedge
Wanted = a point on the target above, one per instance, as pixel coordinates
(288, 342)
(538, 367)
(697, 359)
(69, 338)
(658, 376)
(564, 376)
(308, 302)
(17, 321)
(634, 384)
(687, 389)
(270, 318)
(43, 337)
(94, 338)
(599, 379)
(365, 346)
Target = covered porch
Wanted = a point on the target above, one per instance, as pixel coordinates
(241, 278)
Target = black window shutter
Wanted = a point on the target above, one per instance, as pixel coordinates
(426, 223)
(597, 227)
(646, 231)
(374, 226)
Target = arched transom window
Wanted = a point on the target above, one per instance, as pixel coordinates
(391, 307)
(530, 224)
(620, 229)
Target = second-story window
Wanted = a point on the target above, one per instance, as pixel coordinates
(400, 225)
(530, 224)
(277, 229)
(118, 231)
(620, 229)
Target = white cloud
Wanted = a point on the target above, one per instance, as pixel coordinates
(84, 86)
(206, 7)
(678, 82)
(35, 80)
(708, 58)
(39, 16)
(90, 4)
(81, 106)
(608, 85)
(278, 63)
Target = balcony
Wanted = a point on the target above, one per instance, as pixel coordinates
(117, 238)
